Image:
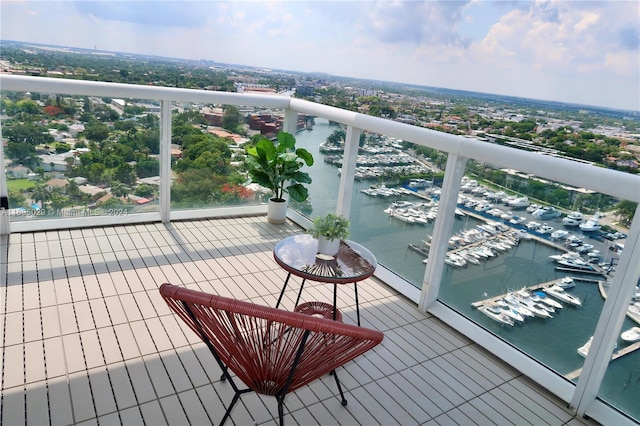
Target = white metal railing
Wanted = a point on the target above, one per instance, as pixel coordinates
(460, 149)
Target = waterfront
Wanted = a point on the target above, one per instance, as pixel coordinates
(553, 342)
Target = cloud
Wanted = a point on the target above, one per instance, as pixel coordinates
(560, 50)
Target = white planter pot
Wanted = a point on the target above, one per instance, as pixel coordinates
(277, 211)
(328, 247)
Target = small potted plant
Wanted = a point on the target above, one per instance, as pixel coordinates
(329, 230)
(277, 167)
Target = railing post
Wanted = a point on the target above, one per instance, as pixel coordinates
(347, 176)
(442, 230)
(165, 161)
(5, 219)
(290, 124)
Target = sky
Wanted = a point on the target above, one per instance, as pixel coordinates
(584, 52)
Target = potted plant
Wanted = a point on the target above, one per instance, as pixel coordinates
(277, 167)
(329, 230)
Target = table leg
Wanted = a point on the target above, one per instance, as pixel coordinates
(335, 299)
(284, 287)
(355, 287)
(300, 291)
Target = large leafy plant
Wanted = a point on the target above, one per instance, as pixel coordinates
(277, 167)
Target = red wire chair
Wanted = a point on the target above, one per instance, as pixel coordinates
(272, 351)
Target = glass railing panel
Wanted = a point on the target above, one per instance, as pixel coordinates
(208, 151)
(385, 167)
(621, 382)
(79, 156)
(325, 172)
(509, 248)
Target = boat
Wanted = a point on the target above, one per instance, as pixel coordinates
(510, 312)
(538, 309)
(532, 208)
(559, 234)
(577, 263)
(565, 283)
(584, 248)
(584, 349)
(496, 314)
(566, 255)
(484, 207)
(631, 335)
(591, 225)
(541, 297)
(560, 294)
(519, 203)
(517, 220)
(546, 213)
(545, 229)
(532, 225)
(574, 218)
(514, 303)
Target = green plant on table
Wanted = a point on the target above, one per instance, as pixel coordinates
(331, 226)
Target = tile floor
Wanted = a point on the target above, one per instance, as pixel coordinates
(86, 338)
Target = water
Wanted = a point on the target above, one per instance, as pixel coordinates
(551, 341)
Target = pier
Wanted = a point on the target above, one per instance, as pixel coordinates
(535, 287)
(617, 354)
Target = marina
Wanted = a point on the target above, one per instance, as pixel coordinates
(402, 247)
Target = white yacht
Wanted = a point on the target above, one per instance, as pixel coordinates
(539, 296)
(517, 220)
(631, 335)
(574, 218)
(519, 203)
(496, 314)
(566, 282)
(590, 225)
(560, 294)
(545, 229)
(559, 234)
(546, 213)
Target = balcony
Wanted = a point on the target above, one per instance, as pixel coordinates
(91, 341)
(87, 338)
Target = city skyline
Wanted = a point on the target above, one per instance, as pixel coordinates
(576, 52)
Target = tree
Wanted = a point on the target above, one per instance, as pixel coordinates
(96, 131)
(625, 210)
(120, 190)
(40, 194)
(231, 118)
(144, 190)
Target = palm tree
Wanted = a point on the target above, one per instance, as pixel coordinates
(41, 194)
(119, 189)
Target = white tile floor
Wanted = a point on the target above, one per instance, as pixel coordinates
(86, 338)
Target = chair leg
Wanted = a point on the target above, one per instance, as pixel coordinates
(228, 412)
(280, 410)
(235, 399)
(335, 376)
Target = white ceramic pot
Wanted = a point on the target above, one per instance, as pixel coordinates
(277, 211)
(328, 247)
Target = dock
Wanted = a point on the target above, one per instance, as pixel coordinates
(617, 354)
(530, 288)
